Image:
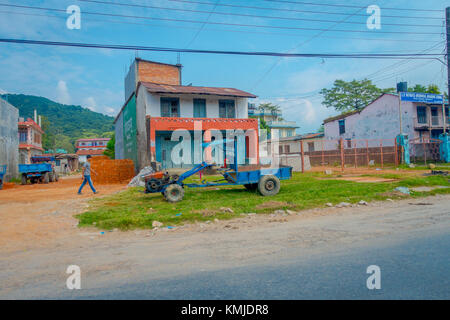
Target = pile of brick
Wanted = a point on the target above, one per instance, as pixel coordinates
(112, 171)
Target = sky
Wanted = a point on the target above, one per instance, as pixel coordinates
(94, 78)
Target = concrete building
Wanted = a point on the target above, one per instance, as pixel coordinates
(380, 120)
(9, 139)
(274, 121)
(92, 147)
(30, 140)
(148, 125)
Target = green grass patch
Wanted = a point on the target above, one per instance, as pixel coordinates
(133, 208)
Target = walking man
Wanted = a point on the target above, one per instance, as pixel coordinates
(86, 176)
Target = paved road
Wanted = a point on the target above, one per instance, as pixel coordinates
(410, 269)
(320, 254)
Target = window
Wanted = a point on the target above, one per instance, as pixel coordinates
(421, 115)
(349, 143)
(226, 109)
(58, 163)
(287, 149)
(170, 107)
(434, 116)
(342, 126)
(199, 108)
(280, 149)
(311, 146)
(23, 136)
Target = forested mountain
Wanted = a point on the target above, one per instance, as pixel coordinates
(63, 124)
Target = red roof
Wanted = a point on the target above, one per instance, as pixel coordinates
(95, 139)
(165, 88)
(30, 122)
(90, 152)
(31, 146)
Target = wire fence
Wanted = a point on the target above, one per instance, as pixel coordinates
(345, 153)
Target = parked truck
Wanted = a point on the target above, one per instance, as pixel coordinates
(2, 174)
(42, 170)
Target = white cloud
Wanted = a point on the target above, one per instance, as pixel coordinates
(110, 111)
(63, 95)
(90, 103)
(3, 91)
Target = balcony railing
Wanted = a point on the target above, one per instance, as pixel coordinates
(436, 122)
(282, 124)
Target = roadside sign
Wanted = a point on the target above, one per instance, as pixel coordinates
(422, 97)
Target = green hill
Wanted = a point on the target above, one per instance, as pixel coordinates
(63, 124)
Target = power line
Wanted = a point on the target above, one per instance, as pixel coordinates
(418, 56)
(220, 30)
(219, 23)
(299, 45)
(247, 15)
(350, 6)
(400, 63)
(300, 11)
(203, 25)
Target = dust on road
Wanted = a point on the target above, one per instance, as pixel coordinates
(41, 215)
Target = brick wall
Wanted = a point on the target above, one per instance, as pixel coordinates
(158, 73)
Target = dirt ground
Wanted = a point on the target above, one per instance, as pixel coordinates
(39, 215)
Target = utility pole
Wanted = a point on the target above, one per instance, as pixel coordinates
(447, 21)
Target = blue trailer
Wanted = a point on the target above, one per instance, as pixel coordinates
(256, 177)
(2, 174)
(40, 170)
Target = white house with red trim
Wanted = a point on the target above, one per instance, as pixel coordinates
(92, 147)
(30, 140)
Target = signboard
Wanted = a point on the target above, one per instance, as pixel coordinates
(422, 97)
(129, 131)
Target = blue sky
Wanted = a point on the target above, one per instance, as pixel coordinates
(93, 78)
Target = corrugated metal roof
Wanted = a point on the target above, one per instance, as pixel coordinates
(164, 88)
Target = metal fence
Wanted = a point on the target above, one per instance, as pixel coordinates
(423, 150)
(347, 153)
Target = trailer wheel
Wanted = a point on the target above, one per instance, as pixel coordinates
(24, 179)
(174, 193)
(153, 185)
(269, 185)
(251, 186)
(46, 177)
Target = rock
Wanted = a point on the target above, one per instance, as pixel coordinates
(157, 224)
(388, 199)
(412, 165)
(290, 212)
(329, 204)
(343, 205)
(227, 210)
(216, 220)
(403, 190)
(363, 203)
(328, 172)
(431, 166)
(280, 212)
(371, 162)
(208, 222)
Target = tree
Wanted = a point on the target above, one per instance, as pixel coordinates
(110, 148)
(432, 88)
(269, 107)
(354, 95)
